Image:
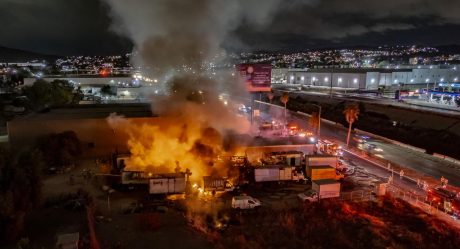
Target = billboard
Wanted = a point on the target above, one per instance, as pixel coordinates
(257, 77)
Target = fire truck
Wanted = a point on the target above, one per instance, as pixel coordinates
(444, 199)
(328, 147)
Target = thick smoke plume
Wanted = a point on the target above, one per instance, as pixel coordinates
(179, 42)
(171, 35)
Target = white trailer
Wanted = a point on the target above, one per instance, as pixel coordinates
(277, 173)
(321, 160)
(327, 188)
(167, 184)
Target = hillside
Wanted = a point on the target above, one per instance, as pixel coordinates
(17, 55)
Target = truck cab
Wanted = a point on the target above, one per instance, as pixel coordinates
(444, 199)
(245, 202)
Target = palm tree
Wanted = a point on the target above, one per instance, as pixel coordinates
(351, 113)
(270, 96)
(284, 99)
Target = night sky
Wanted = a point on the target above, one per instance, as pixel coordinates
(69, 27)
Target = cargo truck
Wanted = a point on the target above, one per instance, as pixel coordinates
(326, 188)
(323, 172)
(277, 173)
(173, 183)
(316, 160)
(211, 183)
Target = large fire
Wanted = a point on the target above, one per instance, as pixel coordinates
(192, 137)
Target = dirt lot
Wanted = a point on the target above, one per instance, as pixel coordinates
(178, 221)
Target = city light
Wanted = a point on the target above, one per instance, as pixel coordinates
(355, 80)
(339, 80)
(326, 79)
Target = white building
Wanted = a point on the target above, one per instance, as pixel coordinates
(369, 78)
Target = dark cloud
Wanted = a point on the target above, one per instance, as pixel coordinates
(59, 27)
(84, 26)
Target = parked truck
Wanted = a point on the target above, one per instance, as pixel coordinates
(212, 183)
(173, 183)
(330, 148)
(326, 188)
(245, 202)
(133, 177)
(277, 173)
(291, 158)
(317, 160)
(323, 172)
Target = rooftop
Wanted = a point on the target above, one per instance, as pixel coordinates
(90, 112)
(325, 181)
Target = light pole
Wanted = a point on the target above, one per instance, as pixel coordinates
(332, 75)
(110, 191)
(319, 119)
(427, 94)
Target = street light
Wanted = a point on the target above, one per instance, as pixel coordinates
(427, 84)
(109, 191)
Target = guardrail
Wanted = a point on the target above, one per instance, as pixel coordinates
(447, 158)
(358, 195)
(407, 146)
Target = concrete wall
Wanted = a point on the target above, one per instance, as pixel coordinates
(24, 133)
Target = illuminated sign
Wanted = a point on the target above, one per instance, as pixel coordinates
(257, 77)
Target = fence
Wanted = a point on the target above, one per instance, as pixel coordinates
(358, 195)
(416, 200)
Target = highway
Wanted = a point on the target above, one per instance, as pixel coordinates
(424, 165)
(372, 98)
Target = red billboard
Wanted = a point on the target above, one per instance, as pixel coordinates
(257, 77)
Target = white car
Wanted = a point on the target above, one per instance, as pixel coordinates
(308, 197)
(245, 202)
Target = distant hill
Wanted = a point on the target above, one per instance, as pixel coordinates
(17, 55)
(449, 49)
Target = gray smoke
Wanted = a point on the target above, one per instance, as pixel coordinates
(172, 35)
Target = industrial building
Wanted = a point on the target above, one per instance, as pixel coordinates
(370, 78)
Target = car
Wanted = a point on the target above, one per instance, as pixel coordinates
(245, 202)
(311, 196)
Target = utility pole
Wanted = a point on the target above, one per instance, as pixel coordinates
(332, 73)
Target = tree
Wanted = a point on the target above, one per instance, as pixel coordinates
(351, 113)
(60, 149)
(270, 96)
(43, 94)
(20, 190)
(284, 99)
